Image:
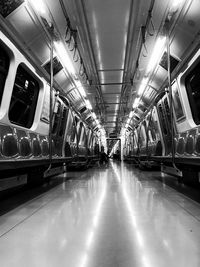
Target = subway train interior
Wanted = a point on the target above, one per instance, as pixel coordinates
(100, 133)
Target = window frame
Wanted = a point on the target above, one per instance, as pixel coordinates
(9, 54)
(183, 117)
(191, 99)
(63, 121)
(33, 107)
(162, 119)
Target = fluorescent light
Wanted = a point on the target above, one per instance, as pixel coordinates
(142, 86)
(94, 115)
(64, 57)
(131, 114)
(128, 121)
(136, 102)
(98, 123)
(158, 49)
(38, 5)
(88, 105)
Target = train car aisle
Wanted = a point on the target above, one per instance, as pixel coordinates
(106, 217)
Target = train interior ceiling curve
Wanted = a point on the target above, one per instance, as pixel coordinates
(81, 77)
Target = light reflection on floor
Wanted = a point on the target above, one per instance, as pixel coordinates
(105, 217)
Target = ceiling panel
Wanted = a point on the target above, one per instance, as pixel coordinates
(111, 76)
(22, 20)
(111, 88)
(111, 97)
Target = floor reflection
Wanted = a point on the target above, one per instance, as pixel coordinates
(112, 216)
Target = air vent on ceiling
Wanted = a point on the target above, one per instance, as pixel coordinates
(173, 62)
(89, 119)
(71, 96)
(56, 66)
(7, 6)
(112, 135)
(136, 118)
(83, 109)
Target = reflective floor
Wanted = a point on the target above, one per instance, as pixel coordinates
(110, 216)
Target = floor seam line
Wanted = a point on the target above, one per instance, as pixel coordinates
(26, 218)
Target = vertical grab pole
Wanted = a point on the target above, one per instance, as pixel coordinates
(170, 96)
(170, 90)
(50, 106)
(51, 103)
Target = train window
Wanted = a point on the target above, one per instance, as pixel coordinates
(89, 139)
(152, 136)
(63, 122)
(135, 142)
(45, 107)
(155, 127)
(82, 137)
(24, 98)
(4, 65)
(162, 119)
(143, 135)
(151, 132)
(73, 135)
(167, 111)
(192, 82)
(80, 132)
(178, 108)
(56, 119)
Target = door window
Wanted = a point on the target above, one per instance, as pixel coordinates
(24, 98)
(4, 65)
(192, 83)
